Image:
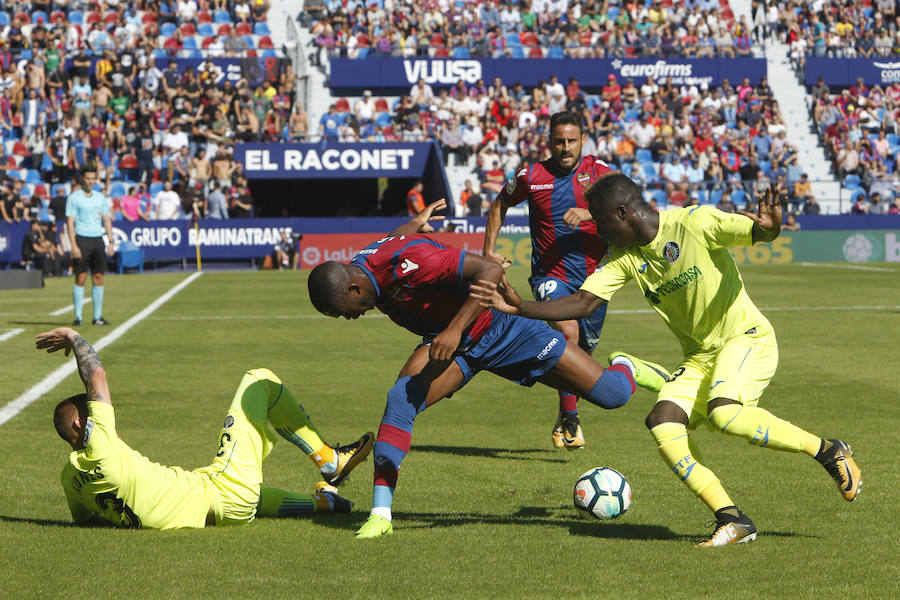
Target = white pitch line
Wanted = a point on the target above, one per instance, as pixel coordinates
(854, 267)
(636, 311)
(53, 379)
(66, 309)
(10, 334)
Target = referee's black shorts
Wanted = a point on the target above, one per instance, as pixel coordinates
(93, 255)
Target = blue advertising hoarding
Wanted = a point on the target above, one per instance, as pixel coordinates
(396, 75)
(844, 71)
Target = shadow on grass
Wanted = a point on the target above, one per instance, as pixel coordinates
(504, 453)
(53, 323)
(42, 522)
(536, 516)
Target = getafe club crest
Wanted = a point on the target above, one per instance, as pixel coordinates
(671, 251)
(583, 178)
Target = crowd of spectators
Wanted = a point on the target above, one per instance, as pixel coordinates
(100, 83)
(834, 28)
(527, 28)
(684, 143)
(859, 129)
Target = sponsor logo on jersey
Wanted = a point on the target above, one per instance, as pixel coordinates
(583, 178)
(550, 345)
(541, 186)
(683, 279)
(671, 251)
(407, 265)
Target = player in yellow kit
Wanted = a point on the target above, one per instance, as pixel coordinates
(680, 260)
(106, 482)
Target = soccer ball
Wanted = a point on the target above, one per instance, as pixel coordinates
(603, 493)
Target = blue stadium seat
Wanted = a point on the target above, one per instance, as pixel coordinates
(167, 29)
(383, 119)
(851, 182)
(739, 197)
(592, 101)
(129, 255)
(117, 189)
(189, 43)
(26, 54)
(98, 187)
(632, 115)
(76, 18)
(39, 14)
(160, 54)
(460, 52)
(555, 52)
(857, 193)
(612, 12)
(649, 173)
(626, 169)
(4, 18)
(643, 156)
(715, 196)
(221, 16)
(251, 42)
(660, 197)
(206, 30)
(155, 188)
(33, 176)
(702, 197)
(261, 29)
(893, 139)
(363, 52)
(516, 52)
(268, 53)
(512, 40)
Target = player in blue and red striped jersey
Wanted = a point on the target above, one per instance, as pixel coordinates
(423, 286)
(565, 248)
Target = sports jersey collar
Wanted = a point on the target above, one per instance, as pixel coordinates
(663, 217)
(371, 278)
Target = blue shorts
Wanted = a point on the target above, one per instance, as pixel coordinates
(550, 288)
(514, 348)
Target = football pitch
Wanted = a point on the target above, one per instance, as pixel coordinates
(484, 503)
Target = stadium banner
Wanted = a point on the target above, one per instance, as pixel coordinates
(845, 71)
(333, 160)
(396, 75)
(242, 239)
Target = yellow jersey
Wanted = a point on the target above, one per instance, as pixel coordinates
(688, 276)
(109, 480)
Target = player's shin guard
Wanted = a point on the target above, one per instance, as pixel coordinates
(761, 428)
(405, 400)
(672, 441)
(274, 502)
(614, 387)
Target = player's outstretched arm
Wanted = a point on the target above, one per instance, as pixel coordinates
(89, 366)
(475, 268)
(767, 220)
(496, 215)
(421, 223)
(505, 299)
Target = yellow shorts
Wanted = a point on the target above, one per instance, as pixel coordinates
(235, 474)
(740, 370)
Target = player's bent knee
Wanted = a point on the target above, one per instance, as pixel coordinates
(263, 374)
(665, 411)
(723, 414)
(611, 390)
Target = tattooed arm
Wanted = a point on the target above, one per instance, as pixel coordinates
(89, 366)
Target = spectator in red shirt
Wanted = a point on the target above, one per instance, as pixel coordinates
(612, 91)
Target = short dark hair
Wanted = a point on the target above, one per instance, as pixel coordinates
(63, 412)
(89, 167)
(326, 283)
(613, 187)
(567, 118)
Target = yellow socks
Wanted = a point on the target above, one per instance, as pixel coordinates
(762, 428)
(292, 423)
(274, 502)
(672, 440)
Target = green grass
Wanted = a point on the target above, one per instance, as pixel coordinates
(483, 508)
